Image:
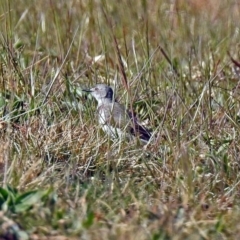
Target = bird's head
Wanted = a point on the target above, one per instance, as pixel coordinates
(101, 92)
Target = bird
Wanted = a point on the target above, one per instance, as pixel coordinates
(115, 120)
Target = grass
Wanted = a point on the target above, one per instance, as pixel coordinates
(176, 64)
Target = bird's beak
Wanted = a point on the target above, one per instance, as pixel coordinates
(87, 90)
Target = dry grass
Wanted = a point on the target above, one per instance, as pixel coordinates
(62, 178)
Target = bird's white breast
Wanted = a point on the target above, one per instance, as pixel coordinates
(104, 117)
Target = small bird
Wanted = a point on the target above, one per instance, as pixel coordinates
(115, 120)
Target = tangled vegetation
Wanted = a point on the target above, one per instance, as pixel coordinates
(176, 62)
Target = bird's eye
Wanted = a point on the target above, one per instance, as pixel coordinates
(96, 89)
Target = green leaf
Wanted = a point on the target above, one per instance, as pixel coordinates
(28, 200)
(3, 195)
(2, 100)
(7, 198)
(89, 220)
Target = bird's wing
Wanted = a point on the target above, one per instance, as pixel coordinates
(137, 129)
(130, 123)
(116, 115)
(119, 116)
